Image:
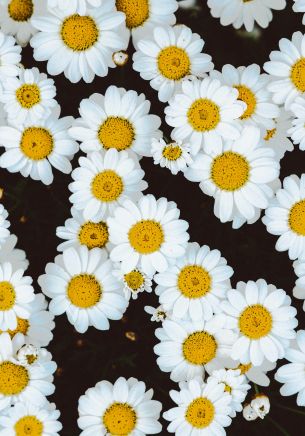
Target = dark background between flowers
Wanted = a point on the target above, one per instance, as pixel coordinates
(127, 348)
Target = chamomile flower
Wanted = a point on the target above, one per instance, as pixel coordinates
(79, 6)
(103, 181)
(122, 408)
(147, 235)
(194, 286)
(120, 58)
(169, 55)
(26, 418)
(297, 131)
(277, 138)
(249, 413)
(158, 314)
(245, 12)
(204, 112)
(15, 256)
(81, 283)
(4, 227)
(10, 56)
(202, 408)
(135, 282)
(187, 348)
(236, 174)
(34, 147)
(299, 288)
(299, 6)
(80, 46)
(261, 405)
(120, 119)
(175, 155)
(264, 319)
(285, 217)
(28, 97)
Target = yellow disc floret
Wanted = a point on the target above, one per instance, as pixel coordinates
(107, 186)
(200, 413)
(296, 218)
(22, 327)
(79, 33)
(172, 152)
(230, 171)
(199, 348)
(13, 378)
(173, 63)
(247, 96)
(134, 280)
(20, 10)
(28, 95)
(194, 281)
(255, 322)
(84, 291)
(94, 234)
(269, 134)
(28, 426)
(119, 419)
(116, 132)
(146, 236)
(203, 115)
(297, 74)
(36, 143)
(7, 296)
(136, 11)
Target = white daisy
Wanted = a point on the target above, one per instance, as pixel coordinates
(248, 413)
(204, 112)
(237, 174)
(120, 119)
(187, 348)
(16, 257)
(80, 283)
(264, 319)
(261, 405)
(277, 138)
(202, 409)
(292, 375)
(297, 131)
(122, 408)
(299, 6)
(158, 314)
(194, 286)
(245, 12)
(25, 418)
(175, 155)
(120, 58)
(28, 97)
(80, 46)
(135, 281)
(167, 56)
(103, 181)
(251, 87)
(299, 288)
(285, 217)
(79, 6)
(4, 228)
(34, 147)
(148, 234)
(10, 56)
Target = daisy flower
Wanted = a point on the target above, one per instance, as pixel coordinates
(202, 408)
(264, 319)
(103, 181)
(120, 119)
(204, 112)
(80, 283)
(297, 131)
(236, 174)
(186, 349)
(34, 147)
(292, 375)
(245, 12)
(299, 288)
(285, 217)
(122, 408)
(277, 138)
(28, 97)
(261, 405)
(248, 413)
(80, 46)
(158, 314)
(175, 155)
(148, 235)
(167, 56)
(120, 58)
(251, 87)
(4, 228)
(10, 55)
(26, 418)
(135, 281)
(194, 286)
(299, 6)
(287, 70)
(79, 6)
(16, 257)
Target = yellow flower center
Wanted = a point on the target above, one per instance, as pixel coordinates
(79, 33)
(13, 378)
(120, 419)
(172, 152)
(200, 413)
(136, 11)
(20, 10)
(116, 132)
(94, 234)
(244, 368)
(36, 143)
(297, 218)
(230, 171)
(22, 327)
(227, 388)
(134, 280)
(297, 74)
(7, 296)
(247, 96)
(199, 348)
(107, 186)
(194, 281)
(28, 95)
(255, 322)
(174, 63)
(31, 358)
(146, 236)
(84, 291)
(203, 115)
(269, 134)
(28, 426)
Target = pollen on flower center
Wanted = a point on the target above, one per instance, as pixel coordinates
(269, 134)
(36, 143)
(227, 388)
(22, 327)
(297, 74)
(107, 186)
(230, 171)
(136, 11)
(199, 348)
(84, 291)
(7, 296)
(28, 426)
(244, 368)
(28, 95)
(255, 321)
(119, 419)
(200, 413)
(296, 218)
(194, 281)
(79, 33)
(173, 63)
(172, 152)
(203, 115)
(116, 132)
(247, 96)
(20, 10)
(146, 236)
(94, 234)
(134, 280)
(13, 378)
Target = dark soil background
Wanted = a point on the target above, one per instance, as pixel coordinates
(36, 210)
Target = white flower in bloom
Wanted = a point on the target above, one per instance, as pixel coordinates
(10, 56)
(122, 408)
(158, 314)
(135, 281)
(79, 6)
(15, 256)
(299, 6)
(261, 405)
(297, 131)
(249, 413)
(175, 156)
(299, 288)
(4, 227)
(169, 55)
(277, 137)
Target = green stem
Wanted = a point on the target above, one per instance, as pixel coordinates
(299, 412)
(278, 426)
(256, 388)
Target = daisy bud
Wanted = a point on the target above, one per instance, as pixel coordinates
(120, 58)
(28, 354)
(158, 314)
(261, 405)
(249, 413)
